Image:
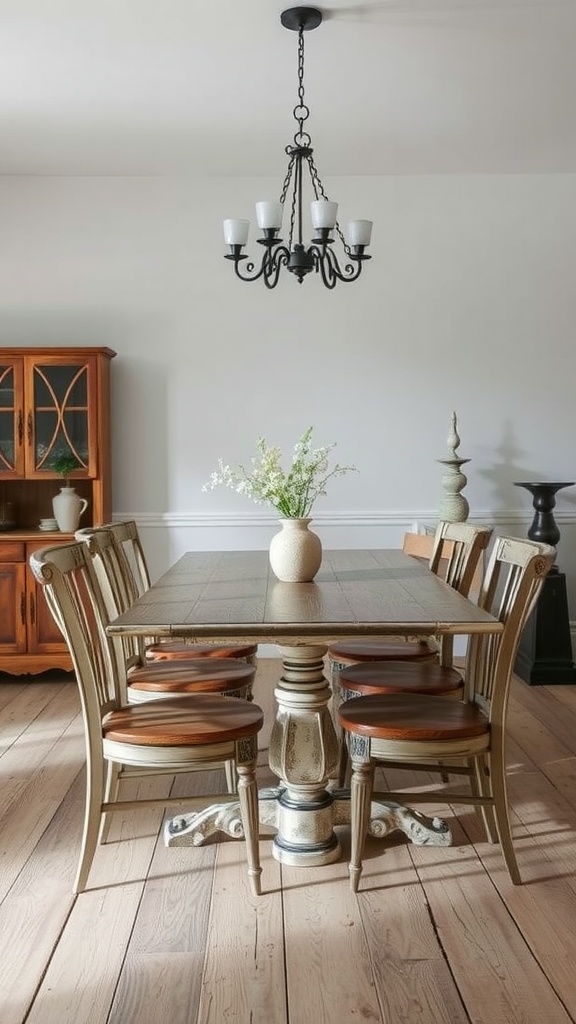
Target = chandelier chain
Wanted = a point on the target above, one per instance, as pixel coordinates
(284, 193)
(320, 192)
(302, 138)
(286, 182)
(301, 111)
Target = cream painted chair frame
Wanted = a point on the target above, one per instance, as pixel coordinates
(456, 556)
(109, 567)
(132, 567)
(74, 596)
(455, 553)
(116, 583)
(461, 547)
(511, 586)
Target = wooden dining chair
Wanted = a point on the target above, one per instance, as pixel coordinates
(452, 552)
(194, 733)
(144, 680)
(458, 549)
(136, 577)
(349, 652)
(149, 680)
(464, 737)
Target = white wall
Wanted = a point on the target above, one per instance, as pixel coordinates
(469, 304)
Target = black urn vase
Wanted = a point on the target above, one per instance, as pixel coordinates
(545, 650)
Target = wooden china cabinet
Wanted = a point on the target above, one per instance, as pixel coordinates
(53, 401)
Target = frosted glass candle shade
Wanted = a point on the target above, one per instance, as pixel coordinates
(236, 232)
(324, 213)
(359, 232)
(269, 215)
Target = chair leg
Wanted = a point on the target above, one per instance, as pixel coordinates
(231, 779)
(92, 822)
(343, 759)
(111, 789)
(501, 813)
(248, 796)
(361, 785)
(481, 780)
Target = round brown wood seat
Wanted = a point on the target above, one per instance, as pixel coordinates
(173, 650)
(200, 674)
(401, 677)
(412, 717)
(189, 721)
(381, 650)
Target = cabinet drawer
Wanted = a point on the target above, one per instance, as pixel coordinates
(12, 551)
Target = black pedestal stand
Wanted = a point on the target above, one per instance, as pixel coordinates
(545, 651)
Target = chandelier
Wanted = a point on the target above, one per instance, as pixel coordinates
(300, 259)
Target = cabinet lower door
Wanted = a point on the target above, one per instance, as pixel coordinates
(12, 608)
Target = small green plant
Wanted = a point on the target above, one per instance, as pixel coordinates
(64, 464)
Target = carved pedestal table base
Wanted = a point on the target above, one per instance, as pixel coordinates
(304, 755)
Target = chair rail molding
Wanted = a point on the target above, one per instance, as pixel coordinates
(404, 518)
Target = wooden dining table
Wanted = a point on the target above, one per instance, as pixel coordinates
(222, 595)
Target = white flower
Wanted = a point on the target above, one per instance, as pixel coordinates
(291, 493)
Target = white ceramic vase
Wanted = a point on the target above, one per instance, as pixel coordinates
(68, 507)
(295, 552)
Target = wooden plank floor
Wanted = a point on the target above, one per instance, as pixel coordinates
(436, 936)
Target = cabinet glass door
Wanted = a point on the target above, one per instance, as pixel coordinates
(11, 420)
(61, 420)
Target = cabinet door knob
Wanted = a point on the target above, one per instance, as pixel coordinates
(29, 428)
(20, 427)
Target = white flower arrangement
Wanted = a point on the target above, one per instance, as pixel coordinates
(291, 493)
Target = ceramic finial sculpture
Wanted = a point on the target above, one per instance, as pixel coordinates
(453, 507)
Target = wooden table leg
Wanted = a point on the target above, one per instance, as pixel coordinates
(304, 755)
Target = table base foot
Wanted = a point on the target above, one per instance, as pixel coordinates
(192, 829)
(300, 844)
(307, 855)
(387, 816)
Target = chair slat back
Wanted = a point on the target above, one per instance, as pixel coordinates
(456, 554)
(128, 540)
(460, 547)
(75, 600)
(514, 576)
(109, 567)
(130, 564)
(115, 581)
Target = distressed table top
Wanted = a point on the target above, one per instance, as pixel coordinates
(217, 595)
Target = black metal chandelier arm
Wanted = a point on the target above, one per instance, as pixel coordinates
(270, 267)
(278, 258)
(330, 270)
(249, 276)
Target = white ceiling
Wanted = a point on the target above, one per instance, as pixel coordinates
(188, 87)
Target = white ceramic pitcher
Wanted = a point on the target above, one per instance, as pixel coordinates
(68, 507)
